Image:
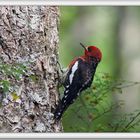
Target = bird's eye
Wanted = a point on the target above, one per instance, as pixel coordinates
(89, 49)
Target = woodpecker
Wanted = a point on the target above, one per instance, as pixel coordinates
(79, 77)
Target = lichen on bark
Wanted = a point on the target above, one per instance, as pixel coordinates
(29, 36)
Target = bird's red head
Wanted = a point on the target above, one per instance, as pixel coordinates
(92, 51)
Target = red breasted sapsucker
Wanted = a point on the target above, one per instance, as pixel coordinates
(79, 77)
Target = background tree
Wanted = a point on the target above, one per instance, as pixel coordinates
(28, 68)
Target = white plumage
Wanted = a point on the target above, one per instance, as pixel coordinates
(74, 68)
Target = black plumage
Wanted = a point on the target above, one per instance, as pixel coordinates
(81, 80)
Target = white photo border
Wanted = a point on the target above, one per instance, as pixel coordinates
(71, 3)
(70, 135)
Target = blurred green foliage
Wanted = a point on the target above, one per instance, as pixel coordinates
(86, 113)
(95, 110)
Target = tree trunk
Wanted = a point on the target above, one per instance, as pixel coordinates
(29, 72)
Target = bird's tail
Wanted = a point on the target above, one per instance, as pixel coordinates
(64, 104)
(58, 112)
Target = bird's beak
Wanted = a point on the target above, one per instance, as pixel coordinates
(83, 46)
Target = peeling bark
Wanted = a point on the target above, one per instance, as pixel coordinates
(29, 36)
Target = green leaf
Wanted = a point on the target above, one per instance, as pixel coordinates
(5, 85)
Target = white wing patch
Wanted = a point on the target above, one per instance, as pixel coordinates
(74, 68)
(66, 91)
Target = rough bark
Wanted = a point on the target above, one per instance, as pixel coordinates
(29, 36)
